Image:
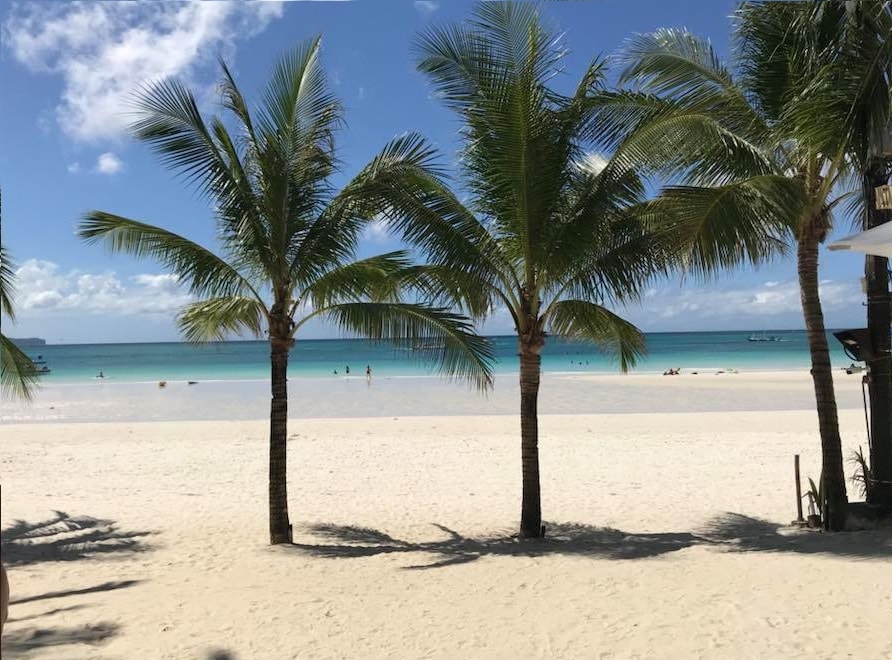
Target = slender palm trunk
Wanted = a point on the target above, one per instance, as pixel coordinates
(832, 474)
(531, 506)
(879, 317)
(279, 526)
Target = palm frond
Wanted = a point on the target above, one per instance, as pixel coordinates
(168, 119)
(18, 376)
(377, 278)
(217, 319)
(666, 138)
(771, 53)
(444, 336)
(716, 228)
(403, 185)
(494, 71)
(581, 319)
(674, 63)
(7, 283)
(205, 272)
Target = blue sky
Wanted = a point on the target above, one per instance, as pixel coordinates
(66, 70)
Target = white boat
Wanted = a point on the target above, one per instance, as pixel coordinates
(763, 337)
(40, 365)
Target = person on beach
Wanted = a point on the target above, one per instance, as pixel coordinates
(347, 369)
(368, 372)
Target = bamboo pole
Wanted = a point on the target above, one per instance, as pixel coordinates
(799, 517)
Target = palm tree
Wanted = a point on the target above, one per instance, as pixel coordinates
(546, 232)
(853, 97)
(746, 178)
(288, 237)
(18, 376)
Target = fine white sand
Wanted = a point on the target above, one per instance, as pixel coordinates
(666, 541)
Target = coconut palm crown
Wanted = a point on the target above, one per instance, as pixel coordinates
(288, 237)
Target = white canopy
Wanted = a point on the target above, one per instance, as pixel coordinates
(876, 241)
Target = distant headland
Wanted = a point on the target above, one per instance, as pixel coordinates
(28, 342)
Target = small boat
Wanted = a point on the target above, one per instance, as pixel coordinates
(763, 337)
(40, 365)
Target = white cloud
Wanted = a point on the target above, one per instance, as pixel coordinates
(772, 304)
(593, 162)
(108, 163)
(42, 288)
(74, 168)
(105, 50)
(426, 7)
(376, 232)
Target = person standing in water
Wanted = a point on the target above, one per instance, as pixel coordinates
(368, 373)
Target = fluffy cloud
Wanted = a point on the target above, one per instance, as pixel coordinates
(426, 7)
(42, 288)
(376, 232)
(104, 51)
(108, 163)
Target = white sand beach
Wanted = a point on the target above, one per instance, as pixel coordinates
(667, 536)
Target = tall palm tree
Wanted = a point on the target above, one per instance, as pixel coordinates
(853, 103)
(745, 178)
(546, 232)
(288, 237)
(18, 376)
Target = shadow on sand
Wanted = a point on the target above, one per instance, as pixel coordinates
(729, 532)
(22, 641)
(66, 538)
(62, 538)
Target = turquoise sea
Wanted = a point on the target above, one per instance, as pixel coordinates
(249, 360)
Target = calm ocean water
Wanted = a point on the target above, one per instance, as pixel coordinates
(249, 360)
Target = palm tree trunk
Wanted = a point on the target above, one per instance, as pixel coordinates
(879, 317)
(531, 506)
(279, 526)
(832, 474)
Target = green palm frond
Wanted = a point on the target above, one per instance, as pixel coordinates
(7, 283)
(677, 141)
(377, 278)
(771, 53)
(443, 285)
(674, 63)
(581, 319)
(719, 227)
(494, 70)
(403, 185)
(217, 319)
(18, 376)
(204, 271)
(446, 337)
(297, 106)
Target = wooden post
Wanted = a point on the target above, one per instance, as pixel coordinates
(799, 517)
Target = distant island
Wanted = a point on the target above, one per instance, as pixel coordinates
(28, 342)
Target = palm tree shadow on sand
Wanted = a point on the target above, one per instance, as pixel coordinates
(62, 538)
(728, 532)
(66, 538)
